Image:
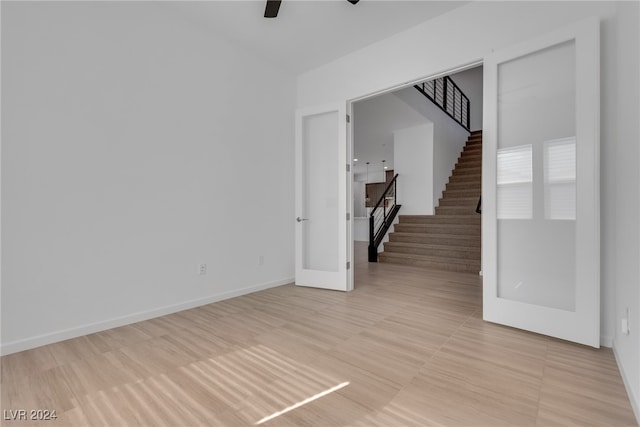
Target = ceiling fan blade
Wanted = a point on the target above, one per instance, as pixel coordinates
(273, 6)
(353, 1)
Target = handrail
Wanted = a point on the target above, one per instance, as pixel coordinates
(380, 221)
(386, 190)
(444, 93)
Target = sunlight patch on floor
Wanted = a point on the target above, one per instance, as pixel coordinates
(303, 402)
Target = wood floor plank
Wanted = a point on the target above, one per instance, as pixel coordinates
(408, 347)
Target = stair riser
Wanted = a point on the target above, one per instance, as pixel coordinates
(465, 164)
(456, 229)
(454, 194)
(440, 219)
(466, 170)
(446, 201)
(464, 185)
(475, 187)
(455, 240)
(469, 161)
(472, 149)
(451, 252)
(456, 210)
(461, 268)
(465, 178)
(468, 157)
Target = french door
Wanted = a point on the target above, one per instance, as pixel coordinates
(321, 198)
(540, 203)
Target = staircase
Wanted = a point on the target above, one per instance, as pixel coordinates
(450, 239)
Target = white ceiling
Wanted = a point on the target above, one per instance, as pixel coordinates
(307, 34)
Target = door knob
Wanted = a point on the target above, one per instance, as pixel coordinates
(299, 219)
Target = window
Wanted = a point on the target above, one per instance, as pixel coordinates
(515, 183)
(560, 179)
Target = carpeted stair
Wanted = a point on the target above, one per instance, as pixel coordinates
(450, 239)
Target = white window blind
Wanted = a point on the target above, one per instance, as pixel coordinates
(515, 183)
(560, 179)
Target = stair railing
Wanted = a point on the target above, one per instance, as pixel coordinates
(382, 217)
(449, 98)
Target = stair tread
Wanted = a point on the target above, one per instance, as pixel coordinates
(436, 238)
(464, 184)
(456, 208)
(465, 178)
(448, 219)
(438, 235)
(445, 225)
(472, 192)
(475, 172)
(468, 165)
(467, 198)
(429, 258)
(435, 216)
(467, 170)
(474, 249)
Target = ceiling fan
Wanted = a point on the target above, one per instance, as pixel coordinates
(273, 6)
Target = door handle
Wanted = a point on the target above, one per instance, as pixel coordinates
(299, 219)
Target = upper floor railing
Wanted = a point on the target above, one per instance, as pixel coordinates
(447, 95)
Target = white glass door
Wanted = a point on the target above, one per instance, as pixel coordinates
(540, 203)
(321, 202)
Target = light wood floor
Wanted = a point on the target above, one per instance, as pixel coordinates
(408, 347)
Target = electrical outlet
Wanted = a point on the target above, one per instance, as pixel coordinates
(202, 269)
(624, 323)
(261, 260)
(624, 326)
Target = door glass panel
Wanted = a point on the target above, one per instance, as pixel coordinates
(320, 192)
(536, 178)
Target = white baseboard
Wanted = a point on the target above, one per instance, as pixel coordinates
(633, 399)
(606, 341)
(65, 334)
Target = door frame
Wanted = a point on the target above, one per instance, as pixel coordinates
(351, 136)
(309, 277)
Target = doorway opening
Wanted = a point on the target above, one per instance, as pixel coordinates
(403, 132)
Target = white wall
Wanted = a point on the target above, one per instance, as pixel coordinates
(470, 82)
(448, 140)
(361, 229)
(627, 196)
(413, 153)
(374, 121)
(127, 160)
(490, 26)
(359, 194)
